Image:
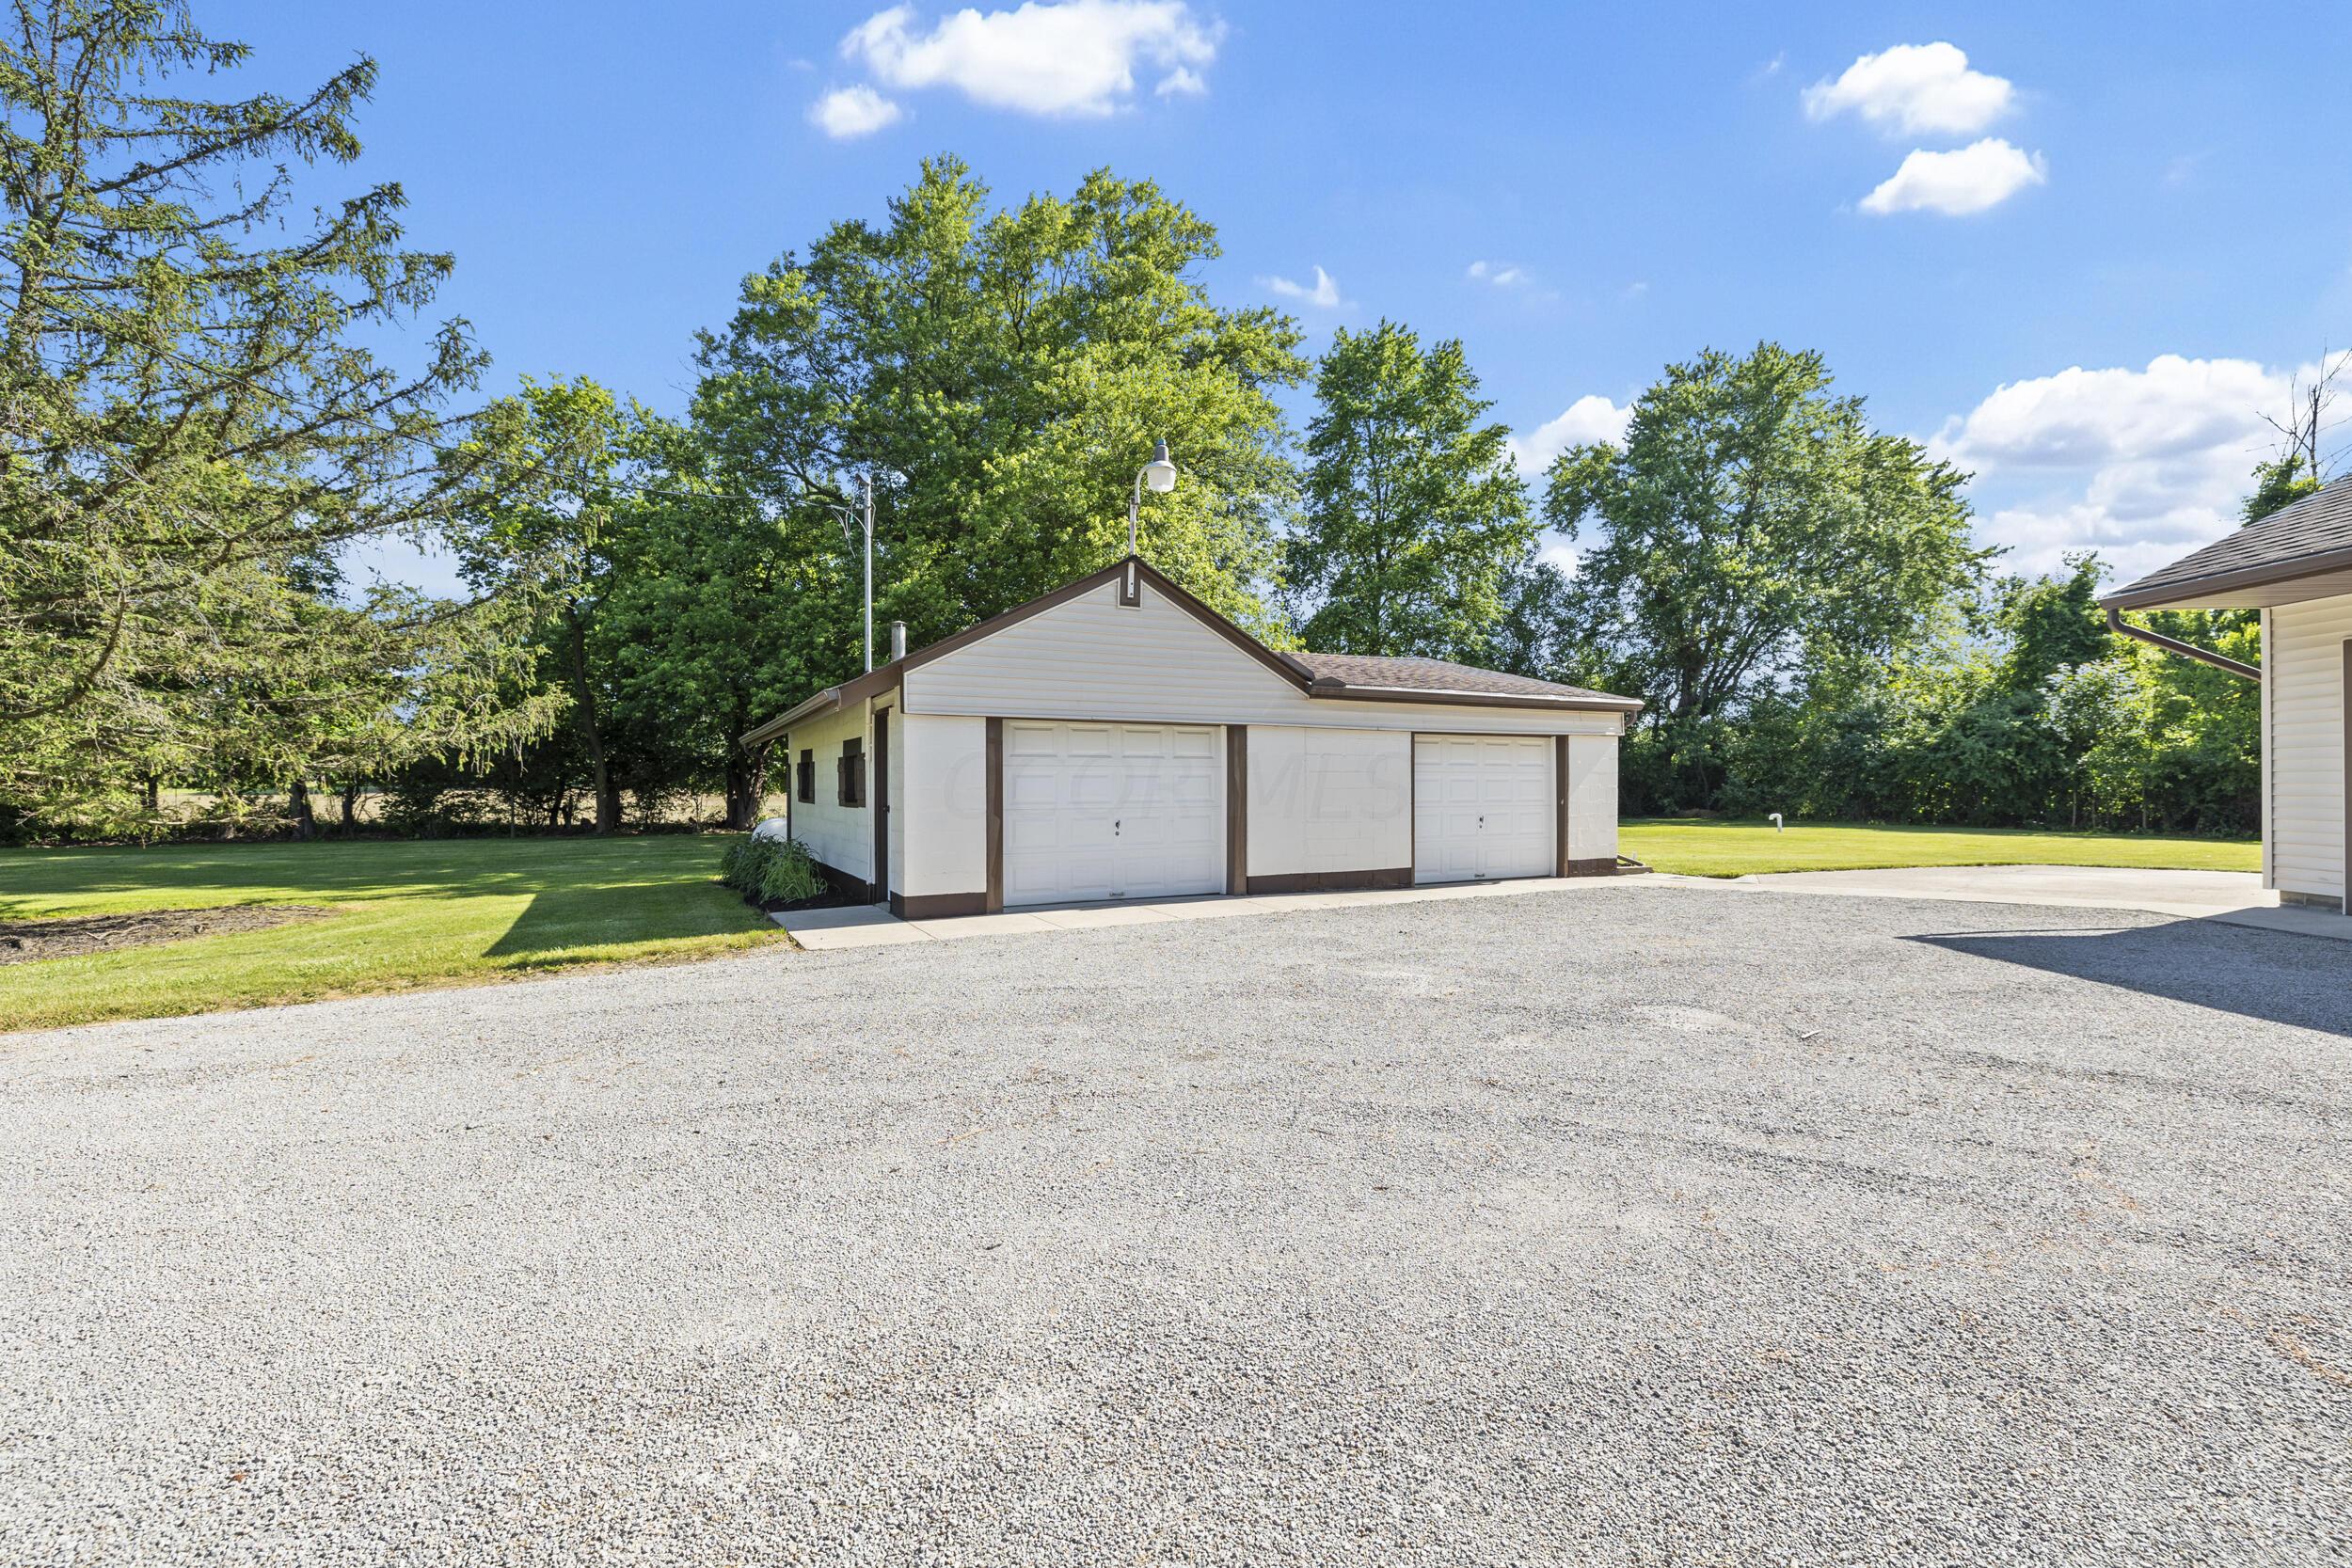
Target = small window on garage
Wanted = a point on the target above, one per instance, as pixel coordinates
(853, 765)
(807, 780)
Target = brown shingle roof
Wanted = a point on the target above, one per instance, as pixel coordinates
(1437, 675)
(2297, 538)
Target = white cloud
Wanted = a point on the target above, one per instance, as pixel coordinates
(1500, 273)
(1076, 57)
(1323, 293)
(858, 111)
(1591, 418)
(1980, 175)
(1914, 88)
(2142, 466)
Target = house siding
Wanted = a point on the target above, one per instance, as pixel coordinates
(840, 836)
(1592, 798)
(1093, 658)
(2303, 682)
(1325, 800)
(944, 788)
(894, 818)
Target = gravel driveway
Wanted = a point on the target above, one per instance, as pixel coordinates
(1630, 1224)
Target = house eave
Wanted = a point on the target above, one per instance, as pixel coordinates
(2213, 591)
(1572, 703)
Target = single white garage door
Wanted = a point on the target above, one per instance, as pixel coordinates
(1112, 811)
(1483, 807)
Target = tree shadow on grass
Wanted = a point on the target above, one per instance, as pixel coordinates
(2282, 978)
(565, 920)
(352, 871)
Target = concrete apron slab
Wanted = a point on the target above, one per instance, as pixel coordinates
(2230, 897)
(2068, 886)
(872, 925)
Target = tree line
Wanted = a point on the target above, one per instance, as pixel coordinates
(198, 434)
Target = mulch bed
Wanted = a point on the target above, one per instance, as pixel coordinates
(27, 941)
(828, 899)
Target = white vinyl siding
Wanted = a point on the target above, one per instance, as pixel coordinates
(2303, 659)
(1483, 807)
(1329, 801)
(1592, 798)
(841, 836)
(1112, 811)
(1093, 658)
(940, 778)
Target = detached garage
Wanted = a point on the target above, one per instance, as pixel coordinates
(1119, 739)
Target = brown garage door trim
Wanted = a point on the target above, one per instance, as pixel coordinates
(995, 817)
(1236, 809)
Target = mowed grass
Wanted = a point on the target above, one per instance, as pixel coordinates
(407, 914)
(1701, 849)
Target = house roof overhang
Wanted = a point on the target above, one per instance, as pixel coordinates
(2301, 552)
(2321, 576)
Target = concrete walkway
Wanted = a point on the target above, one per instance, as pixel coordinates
(2235, 898)
(870, 926)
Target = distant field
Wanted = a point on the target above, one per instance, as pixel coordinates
(1699, 848)
(400, 914)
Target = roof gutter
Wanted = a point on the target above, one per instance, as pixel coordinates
(2185, 650)
(1325, 686)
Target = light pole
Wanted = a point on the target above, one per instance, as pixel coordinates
(1157, 476)
(869, 572)
(842, 511)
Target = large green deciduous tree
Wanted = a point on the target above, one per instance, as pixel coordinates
(711, 625)
(1001, 373)
(189, 426)
(561, 542)
(1415, 514)
(1753, 529)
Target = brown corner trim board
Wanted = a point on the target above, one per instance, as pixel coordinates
(1560, 806)
(878, 803)
(995, 894)
(1237, 808)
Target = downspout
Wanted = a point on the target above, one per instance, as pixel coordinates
(2185, 650)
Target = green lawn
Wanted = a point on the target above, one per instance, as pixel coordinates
(408, 914)
(1698, 849)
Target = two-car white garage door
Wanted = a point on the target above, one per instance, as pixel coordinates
(1112, 811)
(1137, 811)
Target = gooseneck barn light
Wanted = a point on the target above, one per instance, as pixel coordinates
(1157, 476)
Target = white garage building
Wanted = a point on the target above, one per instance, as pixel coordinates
(1119, 739)
(2295, 567)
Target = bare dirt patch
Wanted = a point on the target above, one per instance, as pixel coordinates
(27, 941)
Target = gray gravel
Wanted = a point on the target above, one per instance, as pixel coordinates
(1631, 1225)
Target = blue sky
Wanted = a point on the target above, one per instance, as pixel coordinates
(2080, 258)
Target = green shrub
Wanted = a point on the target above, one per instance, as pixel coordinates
(774, 871)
